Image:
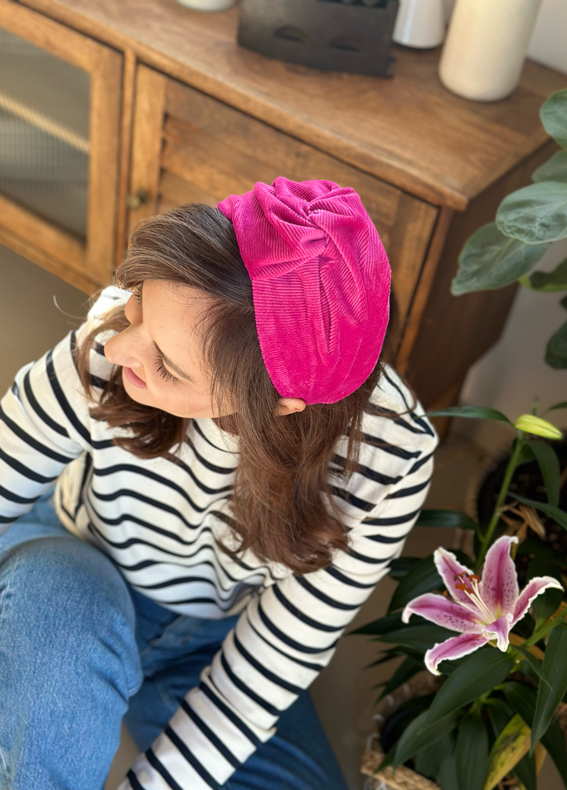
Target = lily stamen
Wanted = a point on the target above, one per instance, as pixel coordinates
(473, 593)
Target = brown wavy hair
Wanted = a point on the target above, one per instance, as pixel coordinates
(284, 461)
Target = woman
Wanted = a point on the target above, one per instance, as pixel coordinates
(235, 470)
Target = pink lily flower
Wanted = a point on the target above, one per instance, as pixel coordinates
(481, 609)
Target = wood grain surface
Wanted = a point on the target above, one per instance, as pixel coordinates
(408, 130)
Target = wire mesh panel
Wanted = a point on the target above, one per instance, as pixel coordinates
(44, 133)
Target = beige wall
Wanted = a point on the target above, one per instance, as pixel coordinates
(30, 321)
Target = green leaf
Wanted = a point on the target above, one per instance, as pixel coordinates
(388, 759)
(562, 405)
(414, 739)
(482, 670)
(556, 350)
(401, 566)
(525, 770)
(500, 714)
(534, 662)
(403, 673)
(553, 114)
(548, 602)
(555, 669)
(509, 748)
(419, 637)
(551, 281)
(559, 515)
(490, 259)
(544, 553)
(428, 761)
(526, 455)
(522, 698)
(555, 169)
(472, 412)
(447, 776)
(539, 568)
(548, 462)
(524, 627)
(472, 752)
(536, 214)
(421, 579)
(445, 518)
(388, 655)
(391, 622)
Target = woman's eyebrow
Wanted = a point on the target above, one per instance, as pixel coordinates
(167, 361)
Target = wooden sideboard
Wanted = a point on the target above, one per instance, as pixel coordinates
(179, 112)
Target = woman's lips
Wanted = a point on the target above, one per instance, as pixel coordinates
(133, 379)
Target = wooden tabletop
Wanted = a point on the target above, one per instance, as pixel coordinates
(408, 130)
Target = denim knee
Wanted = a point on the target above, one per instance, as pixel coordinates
(68, 664)
(61, 596)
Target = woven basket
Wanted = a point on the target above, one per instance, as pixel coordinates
(404, 778)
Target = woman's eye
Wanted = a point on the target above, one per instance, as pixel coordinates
(165, 374)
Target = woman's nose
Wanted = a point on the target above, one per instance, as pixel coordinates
(124, 350)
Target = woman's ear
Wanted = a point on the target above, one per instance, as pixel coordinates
(289, 405)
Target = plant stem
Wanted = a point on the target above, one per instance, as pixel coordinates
(545, 629)
(501, 497)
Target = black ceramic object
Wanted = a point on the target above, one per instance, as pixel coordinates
(337, 35)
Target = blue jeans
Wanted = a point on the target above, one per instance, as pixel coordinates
(81, 651)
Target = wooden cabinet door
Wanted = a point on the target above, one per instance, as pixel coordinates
(190, 147)
(59, 109)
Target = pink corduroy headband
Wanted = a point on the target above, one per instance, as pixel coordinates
(320, 283)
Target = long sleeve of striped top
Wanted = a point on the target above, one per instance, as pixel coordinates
(160, 521)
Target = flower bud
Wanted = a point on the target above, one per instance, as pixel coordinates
(536, 425)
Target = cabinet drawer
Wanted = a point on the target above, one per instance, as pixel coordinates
(189, 147)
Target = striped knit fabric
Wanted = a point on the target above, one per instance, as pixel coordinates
(159, 522)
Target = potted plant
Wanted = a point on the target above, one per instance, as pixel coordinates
(527, 222)
(496, 647)
(496, 255)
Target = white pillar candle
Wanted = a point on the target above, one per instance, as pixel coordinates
(207, 5)
(485, 47)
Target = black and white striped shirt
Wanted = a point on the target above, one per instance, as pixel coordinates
(159, 522)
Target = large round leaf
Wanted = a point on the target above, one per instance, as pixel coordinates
(491, 260)
(535, 214)
(553, 116)
(556, 351)
(555, 169)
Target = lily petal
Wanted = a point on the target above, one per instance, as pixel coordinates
(532, 589)
(499, 585)
(500, 629)
(443, 611)
(449, 567)
(456, 647)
